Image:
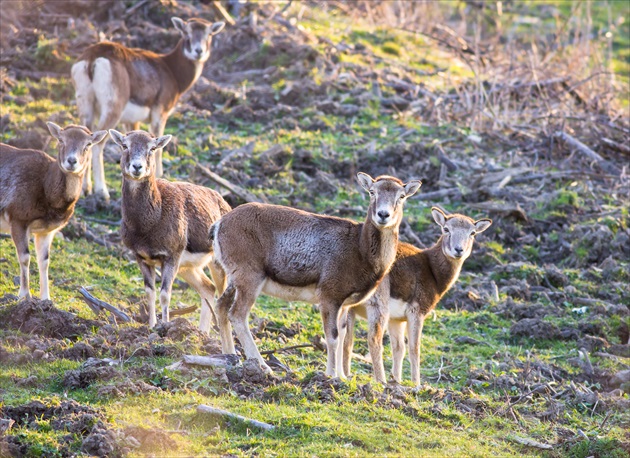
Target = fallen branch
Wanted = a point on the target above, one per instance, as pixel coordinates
(223, 12)
(202, 408)
(448, 192)
(586, 151)
(362, 358)
(529, 442)
(183, 311)
(283, 349)
(239, 192)
(97, 305)
(136, 7)
(101, 221)
(90, 236)
(211, 361)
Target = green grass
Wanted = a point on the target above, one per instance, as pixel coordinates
(431, 421)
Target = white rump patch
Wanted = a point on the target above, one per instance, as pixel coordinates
(103, 83)
(134, 113)
(84, 91)
(291, 293)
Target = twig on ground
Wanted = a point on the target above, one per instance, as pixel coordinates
(211, 360)
(97, 304)
(202, 408)
(529, 442)
(223, 12)
(233, 188)
(101, 221)
(586, 151)
(183, 311)
(283, 349)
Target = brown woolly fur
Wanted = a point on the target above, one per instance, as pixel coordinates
(416, 282)
(166, 224)
(296, 255)
(131, 85)
(39, 194)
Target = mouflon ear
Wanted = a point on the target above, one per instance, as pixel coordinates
(162, 141)
(365, 180)
(439, 216)
(412, 187)
(482, 224)
(117, 137)
(99, 136)
(216, 27)
(179, 24)
(54, 129)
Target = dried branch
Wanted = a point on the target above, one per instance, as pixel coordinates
(239, 192)
(202, 408)
(223, 12)
(97, 305)
(586, 151)
(283, 349)
(212, 360)
(183, 311)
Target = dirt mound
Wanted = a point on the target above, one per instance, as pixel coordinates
(249, 380)
(150, 440)
(32, 316)
(125, 388)
(534, 328)
(81, 421)
(91, 371)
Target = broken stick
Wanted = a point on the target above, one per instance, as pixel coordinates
(202, 408)
(233, 188)
(586, 151)
(97, 305)
(212, 360)
(183, 311)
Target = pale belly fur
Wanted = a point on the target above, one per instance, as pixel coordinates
(38, 226)
(290, 293)
(397, 310)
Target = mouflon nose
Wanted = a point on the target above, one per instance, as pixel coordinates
(72, 160)
(199, 52)
(458, 251)
(137, 167)
(383, 214)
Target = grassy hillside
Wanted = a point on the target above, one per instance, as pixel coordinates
(524, 357)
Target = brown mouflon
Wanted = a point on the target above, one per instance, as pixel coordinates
(415, 284)
(115, 84)
(39, 194)
(166, 224)
(300, 256)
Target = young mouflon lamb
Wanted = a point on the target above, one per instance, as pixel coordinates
(130, 85)
(166, 224)
(39, 194)
(301, 256)
(415, 284)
